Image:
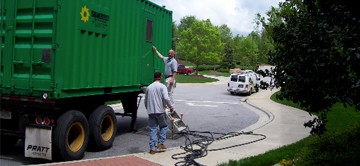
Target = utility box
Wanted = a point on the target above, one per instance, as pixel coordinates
(62, 60)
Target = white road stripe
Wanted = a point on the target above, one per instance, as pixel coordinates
(201, 105)
(212, 102)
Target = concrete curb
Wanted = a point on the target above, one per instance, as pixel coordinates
(270, 115)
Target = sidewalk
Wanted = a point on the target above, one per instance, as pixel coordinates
(282, 125)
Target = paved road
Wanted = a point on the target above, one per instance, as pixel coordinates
(206, 107)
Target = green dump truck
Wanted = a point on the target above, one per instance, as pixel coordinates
(62, 61)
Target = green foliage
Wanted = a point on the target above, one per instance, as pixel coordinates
(226, 34)
(207, 67)
(316, 55)
(181, 78)
(339, 143)
(186, 22)
(227, 61)
(272, 157)
(275, 97)
(334, 148)
(251, 50)
(201, 43)
(175, 35)
(224, 70)
(193, 39)
(341, 117)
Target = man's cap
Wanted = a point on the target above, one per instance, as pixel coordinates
(157, 74)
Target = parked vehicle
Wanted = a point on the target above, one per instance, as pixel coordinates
(61, 61)
(243, 83)
(235, 71)
(182, 69)
(253, 75)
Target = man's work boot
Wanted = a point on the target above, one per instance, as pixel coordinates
(161, 147)
(152, 152)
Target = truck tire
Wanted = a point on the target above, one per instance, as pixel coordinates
(71, 136)
(103, 128)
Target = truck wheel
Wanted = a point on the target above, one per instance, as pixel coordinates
(71, 136)
(103, 128)
(188, 73)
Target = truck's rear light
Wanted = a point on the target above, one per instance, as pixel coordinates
(38, 120)
(46, 121)
(246, 86)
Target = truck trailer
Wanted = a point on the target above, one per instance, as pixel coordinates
(62, 61)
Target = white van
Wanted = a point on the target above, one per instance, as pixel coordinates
(243, 83)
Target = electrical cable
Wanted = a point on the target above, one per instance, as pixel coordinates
(198, 148)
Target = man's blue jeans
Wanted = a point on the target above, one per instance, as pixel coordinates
(157, 121)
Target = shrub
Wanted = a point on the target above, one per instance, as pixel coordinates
(208, 67)
(333, 148)
(223, 70)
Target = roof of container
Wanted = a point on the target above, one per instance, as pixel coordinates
(158, 6)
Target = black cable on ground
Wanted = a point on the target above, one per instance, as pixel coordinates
(198, 146)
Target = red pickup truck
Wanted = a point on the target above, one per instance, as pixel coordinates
(183, 70)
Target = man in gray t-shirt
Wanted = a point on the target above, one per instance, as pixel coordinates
(156, 98)
(170, 71)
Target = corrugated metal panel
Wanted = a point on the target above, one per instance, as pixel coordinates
(77, 48)
(28, 39)
(2, 39)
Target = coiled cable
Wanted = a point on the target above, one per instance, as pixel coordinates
(197, 147)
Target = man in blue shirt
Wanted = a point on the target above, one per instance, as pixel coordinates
(156, 98)
(170, 71)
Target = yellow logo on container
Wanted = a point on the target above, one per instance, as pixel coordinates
(84, 14)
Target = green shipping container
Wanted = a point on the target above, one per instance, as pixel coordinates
(65, 48)
(61, 61)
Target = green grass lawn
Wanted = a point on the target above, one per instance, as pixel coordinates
(339, 119)
(181, 78)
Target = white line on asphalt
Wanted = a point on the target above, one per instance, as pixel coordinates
(201, 105)
(212, 102)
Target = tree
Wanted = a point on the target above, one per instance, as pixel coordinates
(247, 50)
(226, 34)
(186, 23)
(175, 35)
(201, 43)
(316, 55)
(227, 60)
(266, 43)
